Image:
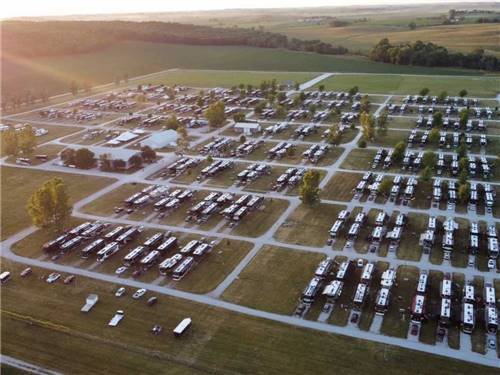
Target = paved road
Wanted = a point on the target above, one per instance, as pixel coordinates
(26, 366)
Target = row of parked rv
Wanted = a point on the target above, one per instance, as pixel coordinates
(470, 125)
(215, 168)
(445, 139)
(478, 193)
(448, 231)
(252, 172)
(105, 104)
(78, 116)
(180, 166)
(411, 99)
(217, 147)
(290, 178)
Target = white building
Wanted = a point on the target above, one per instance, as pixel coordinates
(161, 139)
(247, 128)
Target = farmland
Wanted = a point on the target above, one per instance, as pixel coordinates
(102, 67)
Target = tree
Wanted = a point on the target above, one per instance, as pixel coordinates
(27, 140)
(321, 87)
(462, 93)
(412, 25)
(260, 107)
(309, 187)
(429, 159)
(172, 122)
(442, 96)
(382, 123)
(463, 177)
(210, 159)
(434, 136)
(464, 117)
(426, 175)
(424, 91)
(367, 126)
(239, 117)
(243, 139)
(385, 187)
(68, 156)
(399, 152)
(353, 90)
(334, 136)
(312, 109)
(49, 206)
(119, 164)
(10, 142)
(463, 193)
(365, 104)
(148, 154)
(135, 161)
(84, 158)
(361, 143)
(462, 149)
(105, 162)
(437, 119)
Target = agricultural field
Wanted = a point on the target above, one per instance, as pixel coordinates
(101, 67)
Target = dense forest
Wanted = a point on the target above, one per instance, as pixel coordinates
(38, 39)
(430, 54)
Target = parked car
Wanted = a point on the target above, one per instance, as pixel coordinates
(360, 263)
(354, 318)
(69, 279)
(120, 292)
(492, 264)
(492, 344)
(152, 301)
(156, 330)
(414, 330)
(130, 210)
(118, 210)
(53, 277)
(139, 293)
(26, 272)
(55, 257)
(120, 270)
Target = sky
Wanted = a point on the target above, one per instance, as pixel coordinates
(33, 8)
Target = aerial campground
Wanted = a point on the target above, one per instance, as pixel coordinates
(234, 187)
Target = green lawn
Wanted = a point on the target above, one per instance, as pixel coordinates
(340, 186)
(18, 185)
(72, 342)
(138, 58)
(309, 225)
(402, 84)
(274, 280)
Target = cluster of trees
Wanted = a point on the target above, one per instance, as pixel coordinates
(430, 54)
(83, 158)
(49, 206)
(22, 141)
(49, 38)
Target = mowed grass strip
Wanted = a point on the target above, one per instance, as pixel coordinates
(274, 280)
(407, 84)
(49, 330)
(309, 226)
(19, 183)
(340, 186)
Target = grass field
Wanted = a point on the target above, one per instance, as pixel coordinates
(309, 225)
(407, 84)
(274, 280)
(51, 340)
(364, 36)
(138, 58)
(18, 185)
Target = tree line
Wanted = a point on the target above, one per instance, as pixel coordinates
(52, 38)
(432, 55)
